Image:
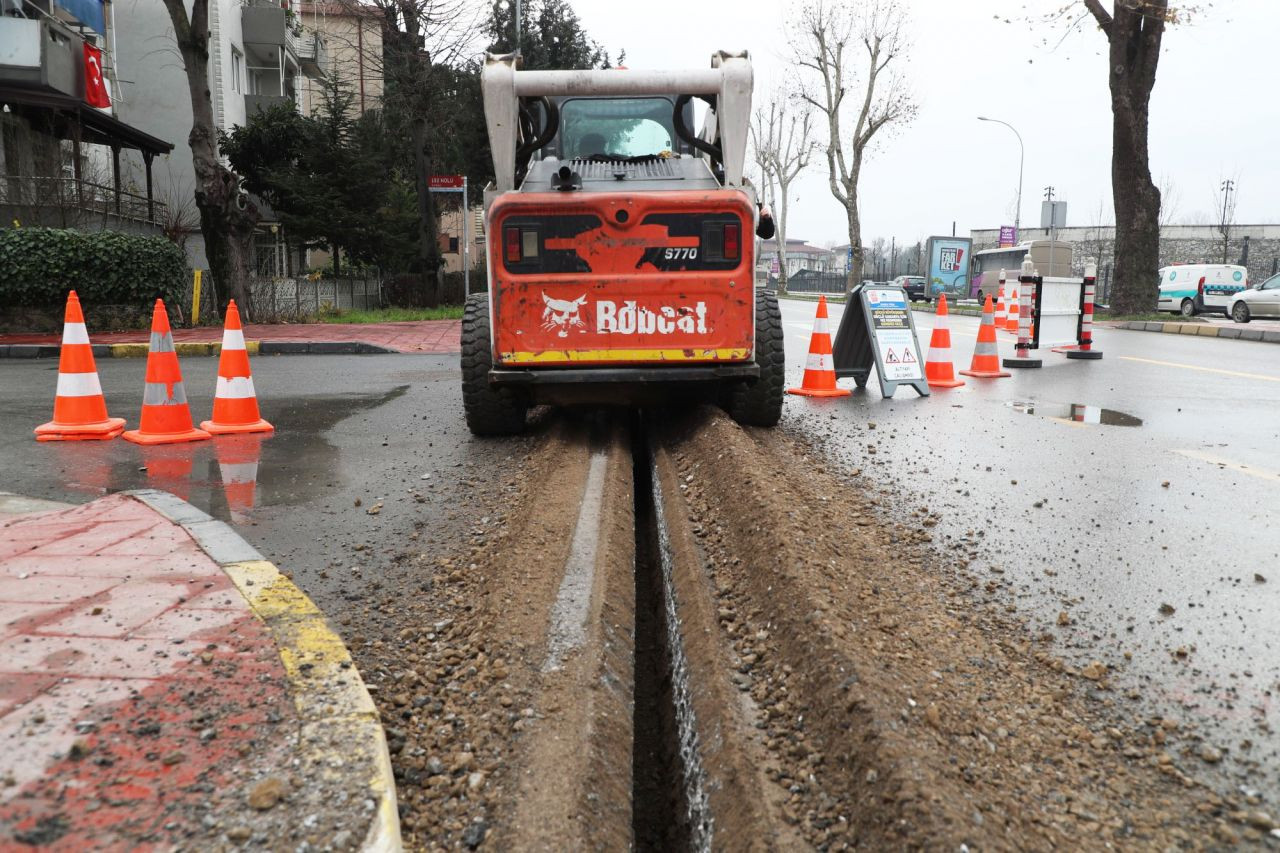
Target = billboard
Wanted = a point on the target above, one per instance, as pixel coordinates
(947, 271)
(1008, 236)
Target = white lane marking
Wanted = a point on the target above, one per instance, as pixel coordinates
(573, 602)
(1219, 371)
(1261, 473)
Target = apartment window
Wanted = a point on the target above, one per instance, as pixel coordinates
(237, 71)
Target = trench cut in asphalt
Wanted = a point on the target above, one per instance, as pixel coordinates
(573, 601)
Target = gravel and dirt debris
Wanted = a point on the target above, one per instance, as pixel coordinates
(899, 708)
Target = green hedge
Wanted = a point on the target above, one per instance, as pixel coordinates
(39, 265)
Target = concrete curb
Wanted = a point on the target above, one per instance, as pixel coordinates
(1208, 330)
(342, 730)
(190, 348)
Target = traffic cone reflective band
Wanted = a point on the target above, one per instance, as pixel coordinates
(986, 355)
(938, 369)
(1002, 307)
(1011, 319)
(235, 405)
(79, 409)
(819, 368)
(166, 417)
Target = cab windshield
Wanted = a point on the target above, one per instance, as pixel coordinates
(615, 127)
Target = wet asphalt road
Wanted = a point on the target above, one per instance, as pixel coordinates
(1178, 506)
(373, 428)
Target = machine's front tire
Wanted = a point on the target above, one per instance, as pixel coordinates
(759, 403)
(489, 411)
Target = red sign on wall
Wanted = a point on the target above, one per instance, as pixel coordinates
(445, 182)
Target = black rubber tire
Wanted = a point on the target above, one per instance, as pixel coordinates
(1188, 308)
(1240, 313)
(759, 403)
(489, 411)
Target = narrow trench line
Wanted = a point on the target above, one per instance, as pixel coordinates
(669, 806)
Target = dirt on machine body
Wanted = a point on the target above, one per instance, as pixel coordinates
(621, 252)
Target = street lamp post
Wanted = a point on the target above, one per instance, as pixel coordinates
(1022, 156)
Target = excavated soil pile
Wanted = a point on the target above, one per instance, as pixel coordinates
(896, 709)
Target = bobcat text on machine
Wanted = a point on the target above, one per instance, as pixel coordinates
(621, 247)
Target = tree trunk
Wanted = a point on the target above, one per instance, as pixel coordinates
(1134, 51)
(227, 229)
(429, 232)
(855, 239)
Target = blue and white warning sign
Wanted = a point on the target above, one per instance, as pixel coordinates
(877, 331)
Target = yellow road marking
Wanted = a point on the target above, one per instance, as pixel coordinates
(1203, 369)
(1261, 473)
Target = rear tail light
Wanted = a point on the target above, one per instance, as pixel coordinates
(512, 244)
(1200, 287)
(732, 241)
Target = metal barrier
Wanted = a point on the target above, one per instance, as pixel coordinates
(303, 298)
(824, 283)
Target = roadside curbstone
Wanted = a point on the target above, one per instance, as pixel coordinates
(1250, 334)
(283, 348)
(128, 350)
(1229, 333)
(1271, 337)
(341, 731)
(1208, 330)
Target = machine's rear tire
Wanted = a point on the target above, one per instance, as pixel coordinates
(759, 403)
(489, 411)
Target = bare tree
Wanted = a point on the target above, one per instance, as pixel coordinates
(1229, 191)
(227, 216)
(1168, 200)
(844, 46)
(783, 143)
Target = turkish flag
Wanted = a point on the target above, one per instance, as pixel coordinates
(95, 87)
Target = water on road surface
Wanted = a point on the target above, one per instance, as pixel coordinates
(1135, 517)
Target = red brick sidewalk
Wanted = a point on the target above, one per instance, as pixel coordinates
(143, 702)
(418, 336)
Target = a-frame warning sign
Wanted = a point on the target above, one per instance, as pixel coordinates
(877, 330)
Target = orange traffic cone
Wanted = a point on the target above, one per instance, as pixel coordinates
(1002, 307)
(986, 355)
(79, 409)
(235, 404)
(1011, 321)
(166, 417)
(938, 369)
(819, 370)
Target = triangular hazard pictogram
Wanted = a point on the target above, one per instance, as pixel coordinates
(907, 357)
(889, 357)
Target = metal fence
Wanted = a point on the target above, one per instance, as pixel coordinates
(824, 283)
(302, 298)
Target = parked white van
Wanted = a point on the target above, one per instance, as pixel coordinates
(1195, 288)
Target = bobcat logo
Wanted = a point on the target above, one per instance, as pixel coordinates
(562, 313)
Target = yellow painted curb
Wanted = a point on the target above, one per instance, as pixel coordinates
(1170, 328)
(341, 731)
(187, 348)
(1207, 330)
(1187, 329)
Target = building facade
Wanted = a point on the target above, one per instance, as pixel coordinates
(70, 154)
(1255, 246)
(800, 256)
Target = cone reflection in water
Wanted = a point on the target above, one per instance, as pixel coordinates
(238, 457)
(169, 469)
(166, 417)
(986, 353)
(938, 369)
(235, 402)
(79, 409)
(819, 368)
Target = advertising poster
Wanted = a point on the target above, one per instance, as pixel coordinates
(948, 271)
(1008, 236)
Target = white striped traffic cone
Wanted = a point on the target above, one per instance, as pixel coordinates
(819, 369)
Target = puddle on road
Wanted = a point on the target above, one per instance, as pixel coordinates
(1077, 413)
(228, 476)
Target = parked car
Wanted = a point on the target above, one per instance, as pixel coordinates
(1200, 288)
(914, 286)
(1260, 301)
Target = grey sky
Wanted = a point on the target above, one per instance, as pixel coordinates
(1214, 111)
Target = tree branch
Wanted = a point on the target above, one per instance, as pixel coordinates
(1100, 14)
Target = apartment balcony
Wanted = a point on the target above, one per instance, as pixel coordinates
(268, 29)
(259, 103)
(313, 54)
(40, 54)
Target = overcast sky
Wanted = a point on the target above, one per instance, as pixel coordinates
(1215, 113)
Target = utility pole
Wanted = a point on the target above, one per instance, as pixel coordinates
(893, 258)
(1227, 186)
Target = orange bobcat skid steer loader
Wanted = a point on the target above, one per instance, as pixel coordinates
(620, 247)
